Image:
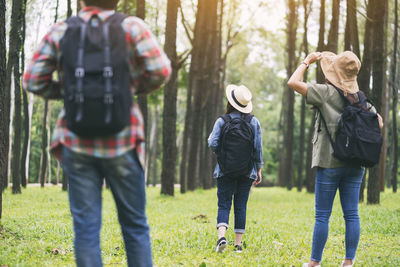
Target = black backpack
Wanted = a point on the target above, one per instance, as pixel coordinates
(97, 97)
(358, 138)
(235, 152)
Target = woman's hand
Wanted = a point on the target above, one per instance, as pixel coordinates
(311, 58)
(296, 80)
(259, 178)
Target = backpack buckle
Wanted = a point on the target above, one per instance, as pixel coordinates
(108, 72)
(108, 99)
(79, 98)
(79, 72)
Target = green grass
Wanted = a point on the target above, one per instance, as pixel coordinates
(36, 230)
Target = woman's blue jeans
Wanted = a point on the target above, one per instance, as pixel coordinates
(348, 181)
(239, 188)
(125, 177)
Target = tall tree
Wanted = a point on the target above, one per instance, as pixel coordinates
(286, 159)
(395, 90)
(334, 30)
(170, 98)
(25, 105)
(351, 40)
(364, 77)
(44, 159)
(300, 180)
(310, 173)
(13, 67)
(4, 104)
(379, 8)
(199, 77)
(142, 99)
(69, 8)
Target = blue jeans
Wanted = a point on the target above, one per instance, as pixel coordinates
(125, 177)
(239, 188)
(348, 180)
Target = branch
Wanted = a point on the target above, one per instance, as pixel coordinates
(182, 58)
(187, 28)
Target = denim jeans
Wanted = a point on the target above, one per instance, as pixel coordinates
(239, 188)
(348, 180)
(125, 177)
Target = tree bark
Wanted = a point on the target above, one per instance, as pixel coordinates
(142, 99)
(43, 160)
(286, 160)
(334, 30)
(78, 6)
(155, 146)
(4, 104)
(170, 99)
(69, 8)
(300, 166)
(15, 45)
(395, 145)
(24, 154)
(352, 41)
(378, 72)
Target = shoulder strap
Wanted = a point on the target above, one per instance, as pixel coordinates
(326, 127)
(226, 117)
(117, 18)
(247, 117)
(74, 20)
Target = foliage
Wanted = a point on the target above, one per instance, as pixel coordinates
(36, 230)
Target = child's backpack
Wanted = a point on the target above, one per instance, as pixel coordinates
(235, 152)
(97, 97)
(358, 138)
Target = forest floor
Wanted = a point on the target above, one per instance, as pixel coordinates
(36, 230)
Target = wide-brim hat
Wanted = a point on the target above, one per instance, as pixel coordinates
(341, 70)
(239, 97)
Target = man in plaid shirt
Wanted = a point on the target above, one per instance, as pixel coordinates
(118, 158)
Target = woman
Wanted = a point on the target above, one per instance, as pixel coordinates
(236, 182)
(341, 72)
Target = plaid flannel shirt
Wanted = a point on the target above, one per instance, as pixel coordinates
(149, 68)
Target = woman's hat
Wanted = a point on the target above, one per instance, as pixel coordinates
(239, 97)
(341, 70)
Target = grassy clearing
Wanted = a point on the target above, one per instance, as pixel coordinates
(36, 230)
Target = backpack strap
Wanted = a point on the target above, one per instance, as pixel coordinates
(325, 126)
(80, 70)
(247, 117)
(226, 117)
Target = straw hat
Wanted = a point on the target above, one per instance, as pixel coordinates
(239, 97)
(341, 70)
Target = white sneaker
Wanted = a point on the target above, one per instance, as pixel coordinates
(306, 265)
(351, 265)
(221, 245)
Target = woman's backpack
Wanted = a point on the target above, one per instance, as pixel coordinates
(235, 152)
(358, 139)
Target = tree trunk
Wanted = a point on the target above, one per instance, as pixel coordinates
(15, 45)
(142, 99)
(352, 42)
(395, 145)
(170, 98)
(69, 8)
(24, 154)
(64, 182)
(78, 6)
(310, 173)
(364, 77)
(300, 165)
(155, 146)
(43, 160)
(334, 30)
(4, 104)
(286, 160)
(378, 72)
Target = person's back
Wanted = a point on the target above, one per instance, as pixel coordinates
(116, 156)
